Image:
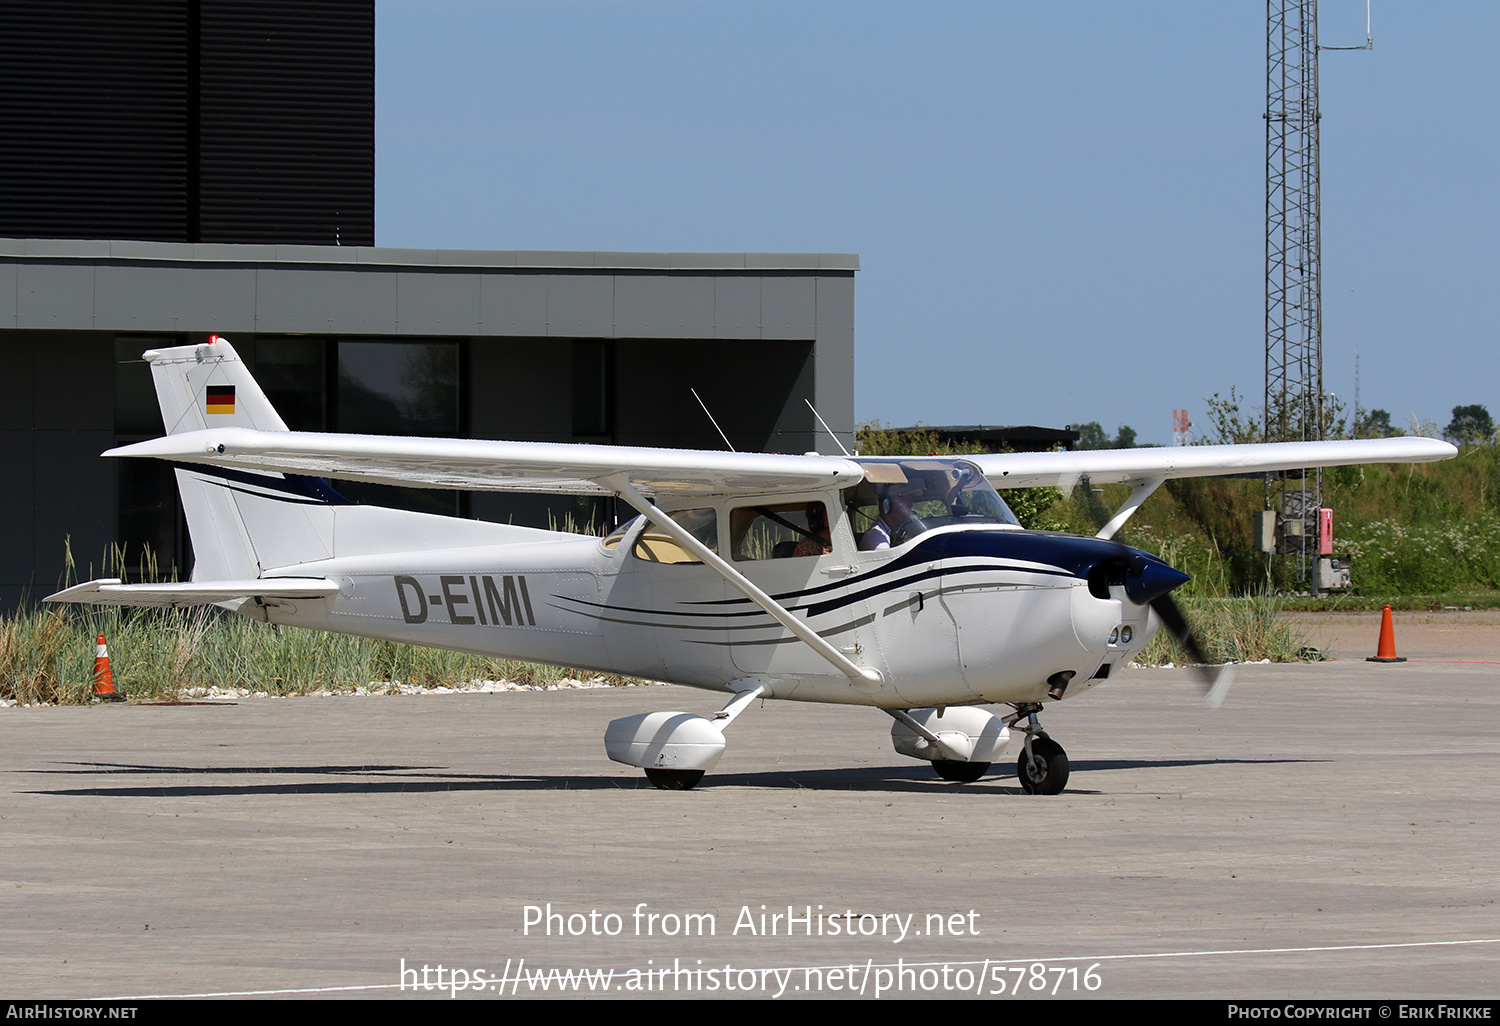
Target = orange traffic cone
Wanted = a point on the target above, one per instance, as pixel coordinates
(104, 679)
(1385, 651)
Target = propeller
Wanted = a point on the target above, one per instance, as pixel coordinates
(1149, 581)
(1215, 681)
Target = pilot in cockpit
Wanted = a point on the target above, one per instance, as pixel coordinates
(895, 510)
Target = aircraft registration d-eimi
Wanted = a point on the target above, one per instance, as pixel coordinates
(905, 584)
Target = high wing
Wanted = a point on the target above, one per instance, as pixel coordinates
(480, 465)
(1136, 466)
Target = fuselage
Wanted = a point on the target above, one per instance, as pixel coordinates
(955, 615)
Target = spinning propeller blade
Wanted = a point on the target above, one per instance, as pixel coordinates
(1216, 680)
(1148, 583)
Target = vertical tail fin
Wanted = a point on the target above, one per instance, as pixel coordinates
(241, 522)
(209, 386)
(244, 522)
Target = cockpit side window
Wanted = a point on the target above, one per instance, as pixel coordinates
(900, 499)
(862, 505)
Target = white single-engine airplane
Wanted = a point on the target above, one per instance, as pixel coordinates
(900, 583)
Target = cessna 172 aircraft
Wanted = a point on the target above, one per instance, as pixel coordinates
(905, 584)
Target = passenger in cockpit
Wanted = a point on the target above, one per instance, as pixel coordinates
(820, 542)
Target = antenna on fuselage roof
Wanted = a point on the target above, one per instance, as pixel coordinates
(711, 419)
(835, 437)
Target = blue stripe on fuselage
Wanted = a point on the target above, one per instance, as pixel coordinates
(1071, 555)
(293, 487)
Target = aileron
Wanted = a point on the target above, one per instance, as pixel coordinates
(1134, 466)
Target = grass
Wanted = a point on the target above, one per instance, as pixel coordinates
(1240, 630)
(47, 656)
(1420, 535)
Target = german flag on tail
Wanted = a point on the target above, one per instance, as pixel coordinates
(220, 399)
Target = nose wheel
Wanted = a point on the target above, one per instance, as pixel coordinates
(1043, 766)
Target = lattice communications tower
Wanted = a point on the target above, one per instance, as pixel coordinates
(1294, 408)
(1295, 404)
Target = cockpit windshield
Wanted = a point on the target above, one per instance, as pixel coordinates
(899, 499)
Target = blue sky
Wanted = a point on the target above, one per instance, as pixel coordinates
(1058, 206)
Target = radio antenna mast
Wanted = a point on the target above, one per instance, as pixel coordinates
(1295, 406)
(711, 419)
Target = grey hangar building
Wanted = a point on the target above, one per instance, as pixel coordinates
(529, 346)
(175, 169)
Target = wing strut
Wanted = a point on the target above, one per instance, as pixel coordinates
(1139, 494)
(864, 677)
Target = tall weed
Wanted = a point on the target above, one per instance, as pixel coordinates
(47, 656)
(1240, 630)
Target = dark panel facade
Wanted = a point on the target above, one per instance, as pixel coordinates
(94, 105)
(188, 120)
(286, 122)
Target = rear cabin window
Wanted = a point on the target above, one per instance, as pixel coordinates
(615, 537)
(787, 530)
(656, 546)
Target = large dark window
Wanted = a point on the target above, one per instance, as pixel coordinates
(369, 388)
(400, 388)
(294, 374)
(593, 391)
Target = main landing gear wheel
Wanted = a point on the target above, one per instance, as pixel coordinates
(961, 772)
(682, 780)
(1046, 770)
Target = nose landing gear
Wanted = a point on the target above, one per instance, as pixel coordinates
(1043, 765)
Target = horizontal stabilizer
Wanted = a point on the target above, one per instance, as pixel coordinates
(110, 592)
